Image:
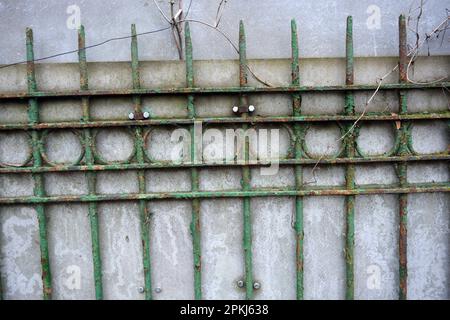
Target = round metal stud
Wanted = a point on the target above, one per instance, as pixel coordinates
(146, 114)
(141, 290)
(240, 283)
(158, 290)
(131, 116)
(256, 285)
(235, 109)
(251, 108)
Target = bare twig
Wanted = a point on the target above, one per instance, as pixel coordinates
(414, 52)
(176, 30)
(219, 12)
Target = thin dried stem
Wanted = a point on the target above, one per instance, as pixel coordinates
(414, 53)
(220, 11)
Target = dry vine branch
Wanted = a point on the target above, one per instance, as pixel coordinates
(176, 21)
(219, 11)
(437, 31)
(441, 28)
(176, 29)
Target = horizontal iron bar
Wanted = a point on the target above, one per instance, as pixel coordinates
(173, 165)
(215, 90)
(225, 120)
(382, 189)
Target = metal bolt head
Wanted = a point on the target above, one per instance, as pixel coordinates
(240, 283)
(131, 116)
(146, 114)
(256, 285)
(141, 290)
(158, 290)
(235, 109)
(251, 108)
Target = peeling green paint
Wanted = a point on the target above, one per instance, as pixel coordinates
(404, 137)
(245, 182)
(195, 222)
(299, 133)
(39, 191)
(349, 150)
(369, 116)
(139, 146)
(278, 192)
(444, 156)
(90, 175)
(218, 90)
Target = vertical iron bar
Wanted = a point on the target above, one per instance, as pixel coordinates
(90, 175)
(144, 216)
(402, 166)
(350, 169)
(39, 189)
(298, 135)
(245, 169)
(195, 224)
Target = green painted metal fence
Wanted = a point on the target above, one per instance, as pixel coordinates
(91, 162)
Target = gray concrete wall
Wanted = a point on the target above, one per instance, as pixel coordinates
(222, 254)
(321, 25)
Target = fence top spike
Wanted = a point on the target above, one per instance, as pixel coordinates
(349, 24)
(133, 29)
(293, 24)
(187, 30)
(187, 38)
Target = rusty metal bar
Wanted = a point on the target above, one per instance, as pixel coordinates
(90, 175)
(277, 192)
(243, 101)
(298, 136)
(402, 166)
(167, 164)
(220, 90)
(144, 214)
(349, 151)
(195, 223)
(227, 120)
(39, 189)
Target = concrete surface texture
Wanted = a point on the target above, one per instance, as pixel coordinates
(321, 26)
(376, 252)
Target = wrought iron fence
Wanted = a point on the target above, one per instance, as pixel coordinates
(91, 162)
